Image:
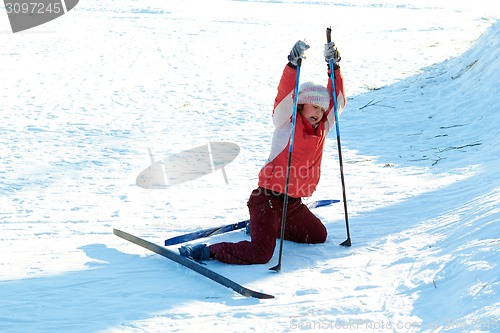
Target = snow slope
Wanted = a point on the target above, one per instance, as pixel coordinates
(84, 96)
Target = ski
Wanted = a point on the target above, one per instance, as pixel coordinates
(192, 265)
(230, 227)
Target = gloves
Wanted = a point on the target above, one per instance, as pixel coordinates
(331, 53)
(297, 52)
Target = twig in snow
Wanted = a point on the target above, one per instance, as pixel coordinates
(452, 126)
(370, 103)
(439, 159)
(469, 66)
(460, 147)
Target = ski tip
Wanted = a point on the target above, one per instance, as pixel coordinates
(254, 294)
(326, 202)
(263, 296)
(322, 203)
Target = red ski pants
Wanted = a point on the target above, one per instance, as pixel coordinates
(266, 209)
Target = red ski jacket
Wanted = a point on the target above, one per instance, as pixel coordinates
(308, 142)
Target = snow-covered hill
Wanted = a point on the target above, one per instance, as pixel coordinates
(85, 95)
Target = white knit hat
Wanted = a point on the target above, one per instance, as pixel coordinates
(313, 93)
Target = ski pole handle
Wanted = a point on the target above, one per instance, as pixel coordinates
(328, 35)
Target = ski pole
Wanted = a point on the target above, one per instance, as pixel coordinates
(347, 242)
(277, 268)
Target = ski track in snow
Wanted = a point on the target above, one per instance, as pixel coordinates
(85, 95)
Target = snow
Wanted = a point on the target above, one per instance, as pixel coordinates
(85, 95)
